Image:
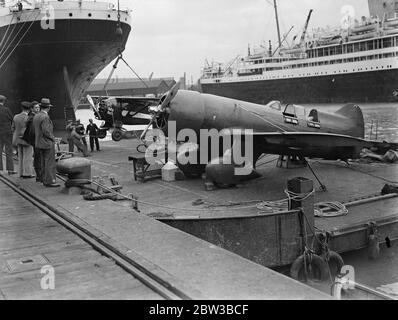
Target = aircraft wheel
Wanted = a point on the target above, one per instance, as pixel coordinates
(102, 134)
(117, 135)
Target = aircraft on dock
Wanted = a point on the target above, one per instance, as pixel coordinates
(287, 130)
(118, 111)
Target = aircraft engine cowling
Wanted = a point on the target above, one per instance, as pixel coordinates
(202, 111)
(189, 109)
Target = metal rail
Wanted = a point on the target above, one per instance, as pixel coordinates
(148, 278)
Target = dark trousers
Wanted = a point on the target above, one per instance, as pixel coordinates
(71, 145)
(80, 146)
(47, 157)
(96, 141)
(6, 145)
(37, 164)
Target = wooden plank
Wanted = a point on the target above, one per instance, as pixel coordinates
(20, 242)
(42, 249)
(60, 270)
(79, 289)
(25, 226)
(80, 271)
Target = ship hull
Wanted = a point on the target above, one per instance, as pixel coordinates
(35, 69)
(375, 86)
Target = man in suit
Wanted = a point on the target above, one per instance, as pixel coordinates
(32, 140)
(92, 131)
(6, 136)
(25, 150)
(45, 143)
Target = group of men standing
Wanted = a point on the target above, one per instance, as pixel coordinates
(32, 133)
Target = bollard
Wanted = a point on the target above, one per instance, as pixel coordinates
(301, 187)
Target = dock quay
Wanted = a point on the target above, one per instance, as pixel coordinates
(105, 250)
(31, 242)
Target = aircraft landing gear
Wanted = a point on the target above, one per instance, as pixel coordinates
(117, 135)
(323, 187)
(102, 133)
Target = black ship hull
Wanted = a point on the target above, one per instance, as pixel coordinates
(35, 69)
(375, 86)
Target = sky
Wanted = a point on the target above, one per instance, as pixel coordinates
(170, 37)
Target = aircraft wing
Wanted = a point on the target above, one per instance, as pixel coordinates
(313, 145)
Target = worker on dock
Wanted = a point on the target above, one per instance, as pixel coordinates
(69, 129)
(45, 142)
(77, 138)
(93, 130)
(6, 136)
(25, 150)
(81, 131)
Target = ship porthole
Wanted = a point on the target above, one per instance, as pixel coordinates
(89, 14)
(109, 15)
(70, 14)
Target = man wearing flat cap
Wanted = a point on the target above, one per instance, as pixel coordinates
(45, 143)
(25, 150)
(6, 118)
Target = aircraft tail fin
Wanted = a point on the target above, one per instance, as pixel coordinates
(354, 113)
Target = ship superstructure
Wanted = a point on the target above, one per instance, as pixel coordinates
(357, 63)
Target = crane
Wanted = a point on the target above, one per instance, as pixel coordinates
(305, 28)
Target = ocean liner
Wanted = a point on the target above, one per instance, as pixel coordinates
(357, 62)
(55, 49)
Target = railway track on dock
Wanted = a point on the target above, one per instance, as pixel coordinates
(158, 285)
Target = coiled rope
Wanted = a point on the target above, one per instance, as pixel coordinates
(330, 209)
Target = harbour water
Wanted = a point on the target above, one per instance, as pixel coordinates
(383, 115)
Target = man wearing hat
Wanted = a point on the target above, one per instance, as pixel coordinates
(45, 143)
(25, 150)
(6, 136)
(30, 137)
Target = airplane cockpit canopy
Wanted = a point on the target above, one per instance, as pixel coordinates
(294, 111)
(313, 116)
(276, 105)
